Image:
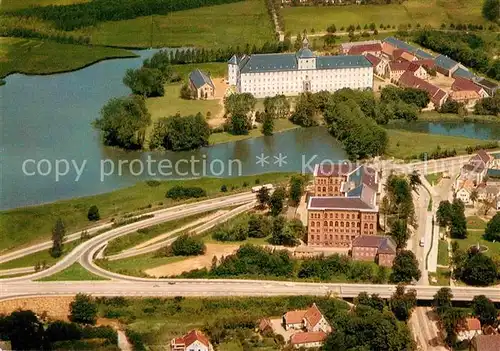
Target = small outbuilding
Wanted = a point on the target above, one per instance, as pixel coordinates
(201, 84)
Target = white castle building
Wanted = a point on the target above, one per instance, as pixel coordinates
(291, 74)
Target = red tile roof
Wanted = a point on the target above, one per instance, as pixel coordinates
(374, 60)
(461, 84)
(307, 337)
(388, 48)
(313, 315)
(383, 243)
(295, 317)
(487, 342)
(359, 49)
(264, 324)
(195, 335)
(473, 324)
(399, 66)
(402, 54)
(429, 63)
(464, 95)
(437, 94)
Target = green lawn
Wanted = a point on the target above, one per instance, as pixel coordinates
(434, 178)
(22, 226)
(43, 57)
(280, 125)
(442, 275)
(130, 240)
(171, 104)
(215, 69)
(425, 12)
(73, 272)
(38, 257)
(210, 27)
(474, 222)
(408, 145)
(443, 258)
(136, 265)
(476, 236)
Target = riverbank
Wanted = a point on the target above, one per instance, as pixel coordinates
(41, 57)
(433, 116)
(30, 225)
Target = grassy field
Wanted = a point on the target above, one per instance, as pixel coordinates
(38, 257)
(43, 57)
(405, 145)
(158, 320)
(133, 239)
(136, 265)
(171, 104)
(425, 12)
(19, 4)
(474, 222)
(442, 275)
(280, 125)
(475, 236)
(73, 272)
(208, 27)
(434, 178)
(443, 258)
(29, 225)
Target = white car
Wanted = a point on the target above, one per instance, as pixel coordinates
(422, 242)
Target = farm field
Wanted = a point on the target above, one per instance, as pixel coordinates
(208, 27)
(44, 57)
(430, 12)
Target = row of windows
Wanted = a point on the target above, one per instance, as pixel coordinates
(347, 216)
(335, 230)
(331, 180)
(347, 224)
(332, 237)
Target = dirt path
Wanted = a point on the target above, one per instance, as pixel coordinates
(193, 263)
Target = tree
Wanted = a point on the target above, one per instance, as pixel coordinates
(485, 310)
(263, 196)
(58, 233)
(145, 81)
(24, 331)
(161, 62)
(374, 301)
(276, 201)
(93, 213)
(277, 229)
(331, 29)
(415, 181)
(223, 188)
(402, 303)
(186, 92)
(259, 226)
(473, 196)
(179, 133)
(297, 184)
(400, 233)
(384, 209)
(442, 301)
(240, 124)
(124, 121)
(479, 269)
(458, 225)
(405, 268)
(186, 245)
(491, 10)
(444, 213)
(267, 124)
(277, 106)
(83, 309)
(492, 231)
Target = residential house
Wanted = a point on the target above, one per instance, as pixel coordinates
(312, 320)
(345, 47)
(308, 339)
(195, 340)
(418, 71)
(463, 84)
(489, 86)
(463, 194)
(437, 95)
(375, 248)
(475, 170)
(446, 65)
(470, 328)
(396, 69)
(401, 55)
(344, 205)
(379, 64)
(485, 343)
(467, 97)
(201, 84)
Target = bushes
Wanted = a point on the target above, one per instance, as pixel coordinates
(135, 339)
(236, 233)
(64, 331)
(83, 309)
(179, 192)
(93, 213)
(186, 245)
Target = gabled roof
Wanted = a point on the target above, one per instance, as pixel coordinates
(429, 63)
(200, 78)
(487, 342)
(400, 44)
(438, 97)
(464, 95)
(403, 54)
(313, 315)
(483, 156)
(445, 62)
(342, 61)
(399, 66)
(360, 49)
(192, 336)
(374, 60)
(233, 60)
(464, 73)
(423, 55)
(294, 317)
(384, 244)
(334, 169)
(487, 83)
(307, 337)
(465, 84)
(436, 94)
(346, 46)
(265, 323)
(413, 67)
(270, 63)
(338, 202)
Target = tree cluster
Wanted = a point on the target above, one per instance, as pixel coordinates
(58, 233)
(473, 267)
(74, 16)
(124, 121)
(452, 215)
(491, 10)
(411, 96)
(239, 109)
(405, 268)
(180, 192)
(492, 231)
(489, 105)
(450, 317)
(186, 245)
(180, 133)
(399, 204)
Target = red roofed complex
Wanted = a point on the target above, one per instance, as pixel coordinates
(308, 339)
(463, 84)
(379, 65)
(194, 340)
(470, 328)
(467, 97)
(400, 55)
(375, 49)
(396, 69)
(311, 320)
(437, 95)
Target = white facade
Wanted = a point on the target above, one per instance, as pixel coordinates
(289, 74)
(464, 195)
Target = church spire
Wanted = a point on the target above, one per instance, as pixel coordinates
(305, 41)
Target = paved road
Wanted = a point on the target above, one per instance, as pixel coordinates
(202, 287)
(160, 216)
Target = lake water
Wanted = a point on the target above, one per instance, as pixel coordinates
(46, 121)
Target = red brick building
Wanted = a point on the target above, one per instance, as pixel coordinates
(343, 206)
(381, 249)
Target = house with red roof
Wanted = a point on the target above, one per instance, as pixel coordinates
(468, 329)
(468, 98)
(418, 70)
(364, 49)
(464, 84)
(401, 55)
(396, 69)
(381, 249)
(311, 320)
(308, 339)
(195, 340)
(379, 64)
